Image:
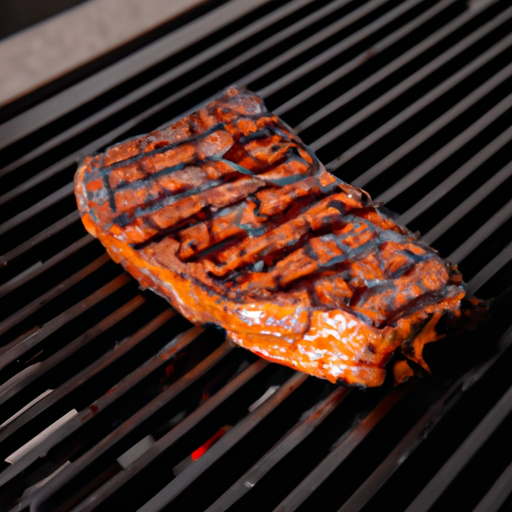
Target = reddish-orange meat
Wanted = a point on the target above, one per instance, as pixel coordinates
(229, 216)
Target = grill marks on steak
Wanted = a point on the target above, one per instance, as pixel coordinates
(229, 216)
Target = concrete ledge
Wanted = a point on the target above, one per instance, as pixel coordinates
(44, 52)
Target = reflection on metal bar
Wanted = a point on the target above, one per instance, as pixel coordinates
(445, 152)
(420, 430)
(171, 437)
(103, 81)
(342, 71)
(7, 391)
(337, 49)
(463, 455)
(33, 306)
(88, 372)
(494, 266)
(165, 78)
(454, 179)
(341, 450)
(383, 73)
(19, 346)
(482, 233)
(205, 79)
(11, 285)
(133, 422)
(291, 440)
(238, 432)
(313, 40)
(39, 438)
(38, 207)
(307, 424)
(433, 127)
(22, 277)
(40, 237)
(413, 79)
(94, 145)
(175, 346)
(466, 206)
(497, 494)
(59, 166)
(175, 73)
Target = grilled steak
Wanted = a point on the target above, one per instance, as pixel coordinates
(229, 216)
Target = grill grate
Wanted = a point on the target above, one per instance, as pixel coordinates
(407, 98)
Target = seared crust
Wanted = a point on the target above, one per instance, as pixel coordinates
(229, 216)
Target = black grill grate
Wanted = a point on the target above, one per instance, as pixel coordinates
(409, 99)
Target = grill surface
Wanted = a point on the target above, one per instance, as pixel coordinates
(408, 99)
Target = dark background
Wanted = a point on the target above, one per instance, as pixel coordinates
(19, 14)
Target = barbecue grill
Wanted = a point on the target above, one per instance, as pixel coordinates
(110, 400)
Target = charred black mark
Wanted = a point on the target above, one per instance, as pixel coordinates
(264, 133)
(288, 180)
(151, 178)
(339, 205)
(110, 193)
(164, 149)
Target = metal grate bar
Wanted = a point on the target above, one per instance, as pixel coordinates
(133, 422)
(464, 453)
(308, 423)
(424, 101)
(175, 73)
(39, 267)
(386, 71)
(103, 81)
(445, 152)
(68, 160)
(59, 166)
(313, 40)
(19, 346)
(454, 179)
(177, 344)
(40, 237)
(62, 164)
(261, 71)
(292, 439)
(65, 162)
(93, 146)
(121, 348)
(467, 205)
(33, 372)
(498, 493)
(239, 431)
(338, 48)
(166, 441)
(482, 233)
(355, 62)
(420, 431)
(341, 450)
(188, 65)
(401, 452)
(38, 207)
(494, 266)
(33, 306)
(433, 127)
(169, 76)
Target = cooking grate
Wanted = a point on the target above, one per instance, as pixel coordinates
(409, 99)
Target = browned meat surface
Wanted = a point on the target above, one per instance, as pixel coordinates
(229, 216)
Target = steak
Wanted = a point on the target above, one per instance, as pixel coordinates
(231, 218)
